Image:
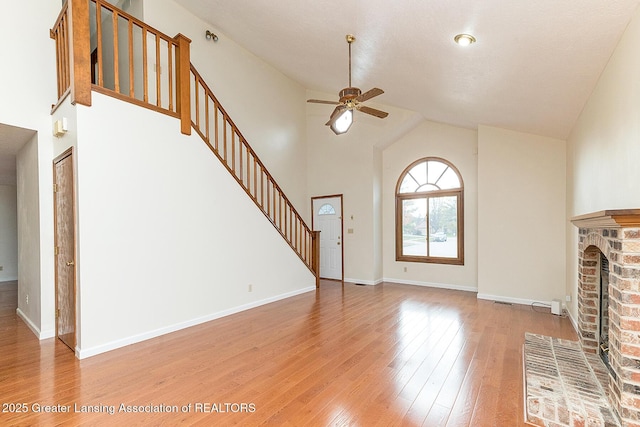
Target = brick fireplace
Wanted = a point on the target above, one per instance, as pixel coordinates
(609, 302)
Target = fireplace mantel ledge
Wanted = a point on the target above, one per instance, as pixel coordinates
(616, 218)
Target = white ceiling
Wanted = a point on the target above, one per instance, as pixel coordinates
(532, 69)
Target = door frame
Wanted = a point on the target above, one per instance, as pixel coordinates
(313, 214)
(67, 153)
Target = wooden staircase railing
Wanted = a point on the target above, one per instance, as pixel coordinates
(222, 136)
(102, 48)
(71, 33)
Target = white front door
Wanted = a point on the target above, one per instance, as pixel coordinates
(327, 218)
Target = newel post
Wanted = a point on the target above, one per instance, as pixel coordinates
(80, 52)
(315, 261)
(183, 81)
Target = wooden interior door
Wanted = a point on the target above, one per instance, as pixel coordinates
(65, 249)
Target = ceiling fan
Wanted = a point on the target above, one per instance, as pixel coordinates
(351, 98)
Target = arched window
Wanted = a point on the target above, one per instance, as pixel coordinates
(326, 209)
(429, 214)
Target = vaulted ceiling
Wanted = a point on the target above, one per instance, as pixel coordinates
(533, 67)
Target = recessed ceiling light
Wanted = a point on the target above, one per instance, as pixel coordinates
(464, 39)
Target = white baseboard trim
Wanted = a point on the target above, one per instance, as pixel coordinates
(364, 282)
(512, 300)
(42, 335)
(432, 285)
(103, 348)
(50, 333)
(574, 323)
(28, 321)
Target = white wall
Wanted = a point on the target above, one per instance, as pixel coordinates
(8, 233)
(521, 216)
(132, 7)
(604, 147)
(459, 146)
(28, 207)
(344, 165)
(377, 213)
(267, 106)
(28, 89)
(166, 236)
(604, 142)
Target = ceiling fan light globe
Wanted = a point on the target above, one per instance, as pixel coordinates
(343, 123)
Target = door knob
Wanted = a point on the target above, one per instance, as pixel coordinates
(69, 263)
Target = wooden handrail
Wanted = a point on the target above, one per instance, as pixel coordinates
(127, 62)
(245, 166)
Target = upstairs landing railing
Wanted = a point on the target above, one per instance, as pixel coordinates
(102, 48)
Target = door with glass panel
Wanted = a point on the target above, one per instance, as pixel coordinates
(327, 218)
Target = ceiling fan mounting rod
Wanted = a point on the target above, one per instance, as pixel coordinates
(350, 39)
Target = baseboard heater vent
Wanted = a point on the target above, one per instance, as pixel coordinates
(502, 302)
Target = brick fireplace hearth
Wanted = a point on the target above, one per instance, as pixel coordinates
(612, 237)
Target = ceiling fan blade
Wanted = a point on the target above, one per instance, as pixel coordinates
(369, 94)
(321, 101)
(373, 112)
(335, 115)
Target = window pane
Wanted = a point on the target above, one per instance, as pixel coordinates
(414, 227)
(429, 175)
(326, 209)
(419, 173)
(449, 180)
(435, 171)
(443, 227)
(409, 184)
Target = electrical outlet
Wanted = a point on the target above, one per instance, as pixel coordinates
(567, 298)
(250, 288)
(405, 269)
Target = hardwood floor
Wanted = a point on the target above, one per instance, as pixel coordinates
(386, 355)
